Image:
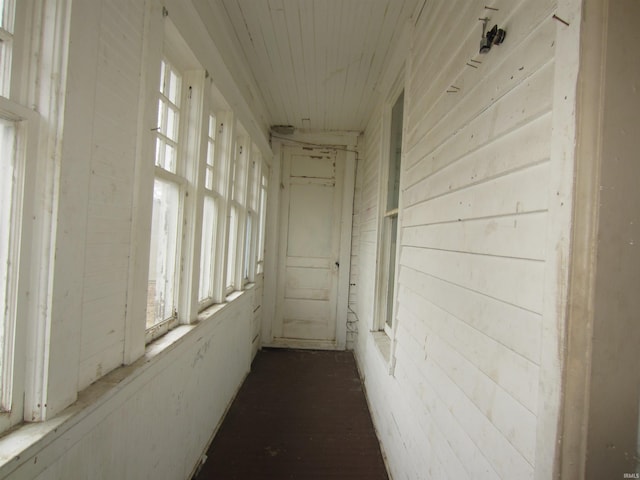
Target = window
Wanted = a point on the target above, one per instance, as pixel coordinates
(237, 213)
(386, 274)
(253, 189)
(210, 211)
(262, 216)
(167, 200)
(18, 142)
(232, 249)
(7, 16)
(8, 253)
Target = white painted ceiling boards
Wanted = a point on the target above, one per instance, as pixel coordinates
(318, 63)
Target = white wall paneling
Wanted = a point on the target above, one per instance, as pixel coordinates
(474, 229)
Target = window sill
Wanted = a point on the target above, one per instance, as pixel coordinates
(383, 345)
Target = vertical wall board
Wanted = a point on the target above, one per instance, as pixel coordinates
(118, 76)
(474, 248)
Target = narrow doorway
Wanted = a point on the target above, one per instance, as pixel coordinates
(309, 249)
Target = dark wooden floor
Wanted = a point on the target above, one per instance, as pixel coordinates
(298, 415)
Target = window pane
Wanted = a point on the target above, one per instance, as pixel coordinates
(163, 73)
(392, 267)
(263, 214)
(170, 160)
(159, 153)
(7, 14)
(7, 172)
(163, 253)
(210, 160)
(207, 254)
(247, 246)
(5, 68)
(233, 240)
(239, 175)
(212, 127)
(208, 179)
(395, 154)
(172, 124)
(173, 89)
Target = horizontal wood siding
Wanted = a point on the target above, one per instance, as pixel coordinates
(110, 188)
(473, 225)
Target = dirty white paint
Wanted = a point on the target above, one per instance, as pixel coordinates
(473, 258)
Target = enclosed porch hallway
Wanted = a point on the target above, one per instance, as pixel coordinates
(300, 414)
(295, 238)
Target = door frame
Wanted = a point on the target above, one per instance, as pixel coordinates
(345, 145)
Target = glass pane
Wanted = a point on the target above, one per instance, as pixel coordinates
(7, 167)
(210, 153)
(170, 159)
(163, 73)
(239, 175)
(7, 13)
(162, 126)
(163, 253)
(261, 232)
(392, 268)
(233, 177)
(208, 179)
(207, 254)
(231, 255)
(5, 67)
(159, 152)
(247, 246)
(395, 154)
(212, 127)
(172, 124)
(173, 88)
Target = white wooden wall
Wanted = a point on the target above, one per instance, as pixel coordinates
(462, 401)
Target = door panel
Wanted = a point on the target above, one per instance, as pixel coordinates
(310, 219)
(310, 246)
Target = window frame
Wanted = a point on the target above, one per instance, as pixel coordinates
(31, 240)
(237, 199)
(177, 178)
(210, 192)
(388, 243)
(13, 350)
(263, 192)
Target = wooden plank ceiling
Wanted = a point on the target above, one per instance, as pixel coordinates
(318, 63)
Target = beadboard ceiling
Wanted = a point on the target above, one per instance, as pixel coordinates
(318, 63)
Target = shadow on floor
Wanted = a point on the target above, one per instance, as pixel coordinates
(300, 414)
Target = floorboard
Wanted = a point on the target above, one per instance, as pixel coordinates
(300, 414)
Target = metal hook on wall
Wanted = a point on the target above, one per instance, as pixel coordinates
(495, 36)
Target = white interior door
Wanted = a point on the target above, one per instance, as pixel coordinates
(309, 247)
